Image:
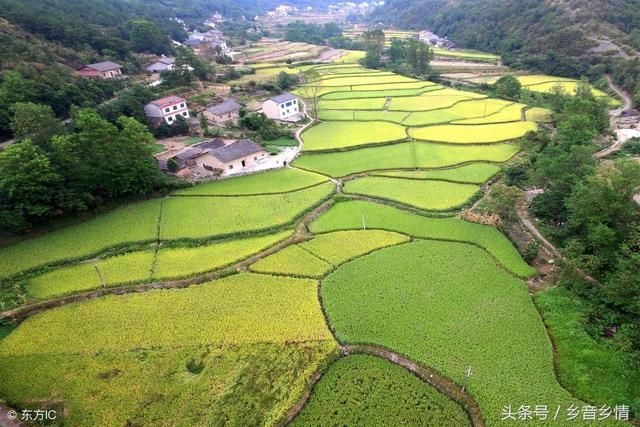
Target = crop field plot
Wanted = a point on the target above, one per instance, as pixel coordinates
(183, 262)
(392, 86)
(476, 173)
(341, 246)
(422, 194)
(143, 358)
(134, 223)
(363, 390)
(127, 268)
(203, 217)
(365, 80)
(278, 181)
(448, 306)
(432, 100)
(509, 113)
(380, 93)
(293, 261)
(409, 155)
(352, 104)
(469, 55)
(332, 135)
(483, 108)
(350, 216)
(476, 134)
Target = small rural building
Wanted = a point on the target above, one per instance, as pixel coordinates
(162, 64)
(167, 109)
(282, 107)
(226, 111)
(103, 70)
(215, 158)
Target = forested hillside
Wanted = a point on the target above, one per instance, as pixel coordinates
(566, 37)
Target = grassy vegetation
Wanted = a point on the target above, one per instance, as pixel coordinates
(127, 268)
(283, 142)
(293, 261)
(363, 390)
(350, 216)
(331, 135)
(201, 217)
(182, 262)
(568, 86)
(465, 55)
(239, 350)
(341, 246)
(391, 86)
(447, 305)
(133, 223)
(423, 194)
(539, 115)
(478, 134)
(405, 155)
(589, 367)
(272, 182)
(476, 173)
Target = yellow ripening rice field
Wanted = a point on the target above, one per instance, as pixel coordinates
(473, 134)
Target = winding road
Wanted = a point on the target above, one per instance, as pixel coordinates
(623, 135)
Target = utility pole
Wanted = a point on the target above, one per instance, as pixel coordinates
(104, 285)
(364, 224)
(467, 375)
(485, 107)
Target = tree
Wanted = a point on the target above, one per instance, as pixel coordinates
(36, 122)
(371, 59)
(27, 180)
(146, 36)
(311, 91)
(204, 124)
(285, 80)
(508, 87)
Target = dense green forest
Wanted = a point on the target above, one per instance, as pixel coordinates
(554, 38)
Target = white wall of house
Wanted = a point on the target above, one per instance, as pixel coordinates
(280, 111)
(169, 113)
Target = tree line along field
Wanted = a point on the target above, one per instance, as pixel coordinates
(372, 263)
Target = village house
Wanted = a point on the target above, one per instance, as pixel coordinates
(103, 70)
(162, 64)
(283, 107)
(211, 39)
(225, 112)
(215, 158)
(435, 40)
(167, 109)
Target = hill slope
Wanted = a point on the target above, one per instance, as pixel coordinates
(562, 37)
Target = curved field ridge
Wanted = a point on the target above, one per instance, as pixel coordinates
(350, 216)
(422, 194)
(363, 390)
(204, 217)
(133, 223)
(243, 308)
(293, 261)
(446, 305)
(272, 182)
(409, 155)
(141, 359)
(333, 135)
(475, 173)
(476, 134)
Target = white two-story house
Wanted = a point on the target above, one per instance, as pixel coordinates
(282, 107)
(167, 109)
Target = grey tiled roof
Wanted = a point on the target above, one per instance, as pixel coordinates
(279, 99)
(227, 106)
(236, 150)
(211, 145)
(104, 66)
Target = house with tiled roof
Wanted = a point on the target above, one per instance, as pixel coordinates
(224, 112)
(163, 64)
(167, 109)
(103, 70)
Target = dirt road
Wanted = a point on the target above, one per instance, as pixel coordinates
(624, 134)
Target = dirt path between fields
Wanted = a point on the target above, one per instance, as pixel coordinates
(622, 134)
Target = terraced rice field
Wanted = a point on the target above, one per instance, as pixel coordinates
(244, 349)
